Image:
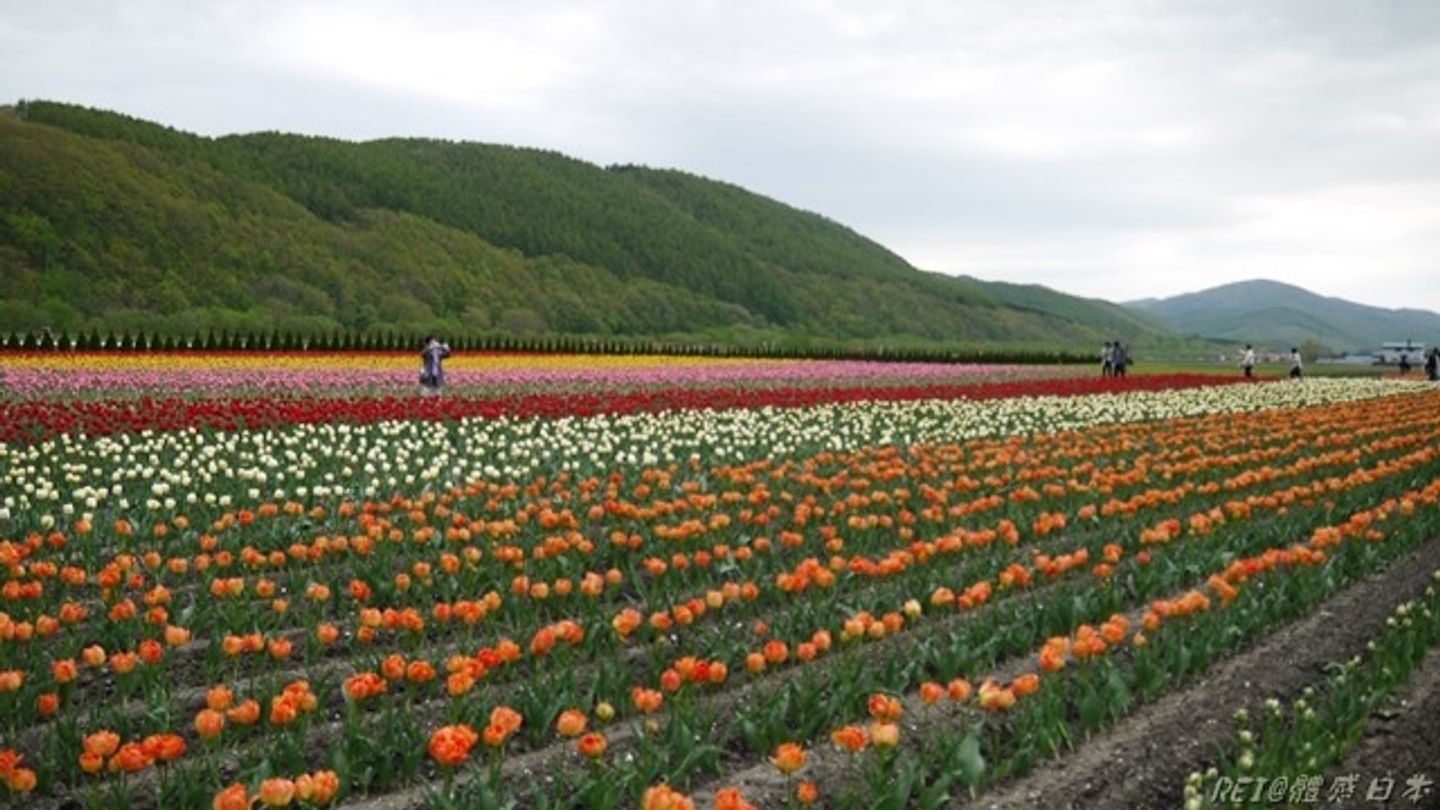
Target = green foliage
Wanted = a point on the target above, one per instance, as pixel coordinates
(1312, 350)
(109, 221)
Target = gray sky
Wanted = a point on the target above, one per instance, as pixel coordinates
(1113, 149)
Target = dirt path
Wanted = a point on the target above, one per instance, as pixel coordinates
(1143, 761)
(1402, 742)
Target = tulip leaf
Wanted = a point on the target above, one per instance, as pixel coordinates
(1119, 693)
(938, 794)
(972, 762)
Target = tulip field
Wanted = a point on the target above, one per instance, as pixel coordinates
(242, 580)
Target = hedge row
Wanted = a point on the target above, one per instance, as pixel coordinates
(394, 341)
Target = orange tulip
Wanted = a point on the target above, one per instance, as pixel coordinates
(959, 690)
(995, 698)
(64, 670)
(571, 723)
(151, 652)
(506, 718)
(363, 685)
(123, 663)
(164, 747)
(234, 797)
(91, 762)
(592, 745)
(755, 663)
(776, 652)
(279, 648)
(277, 792)
(209, 724)
(219, 698)
(420, 672)
(93, 656)
(884, 735)
(670, 680)
(283, 712)
(246, 714)
(450, 745)
(131, 758)
(495, 735)
(789, 758)
(327, 634)
(661, 797)
(885, 708)
(393, 667)
(459, 684)
(931, 693)
(102, 743)
(648, 701)
(317, 788)
(21, 780)
(1027, 684)
(730, 798)
(850, 738)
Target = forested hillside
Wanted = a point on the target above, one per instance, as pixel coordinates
(110, 221)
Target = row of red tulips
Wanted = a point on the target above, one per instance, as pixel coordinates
(29, 421)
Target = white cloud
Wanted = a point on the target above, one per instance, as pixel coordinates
(1118, 148)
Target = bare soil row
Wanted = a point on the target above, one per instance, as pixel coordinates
(1143, 761)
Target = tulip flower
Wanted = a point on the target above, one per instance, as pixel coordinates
(591, 745)
(789, 758)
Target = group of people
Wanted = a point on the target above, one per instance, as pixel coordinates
(1297, 363)
(1114, 357)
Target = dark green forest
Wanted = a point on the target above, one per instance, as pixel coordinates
(108, 222)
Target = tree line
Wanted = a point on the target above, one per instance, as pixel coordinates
(336, 342)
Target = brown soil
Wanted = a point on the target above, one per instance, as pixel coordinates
(1144, 760)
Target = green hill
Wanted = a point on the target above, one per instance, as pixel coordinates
(1276, 315)
(115, 222)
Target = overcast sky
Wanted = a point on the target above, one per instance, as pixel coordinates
(1111, 149)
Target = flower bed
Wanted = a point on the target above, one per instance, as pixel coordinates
(214, 599)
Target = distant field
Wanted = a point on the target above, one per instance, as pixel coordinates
(1273, 369)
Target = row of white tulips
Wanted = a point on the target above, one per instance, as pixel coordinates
(190, 472)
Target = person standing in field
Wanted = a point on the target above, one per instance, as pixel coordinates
(1107, 360)
(1297, 366)
(1432, 365)
(1247, 360)
(1120, 358)
(432, 371)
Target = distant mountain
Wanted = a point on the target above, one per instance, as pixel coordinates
(1276, 315)
(113, 222)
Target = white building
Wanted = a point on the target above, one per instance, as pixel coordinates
(1390, 353)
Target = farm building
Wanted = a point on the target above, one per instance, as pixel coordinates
(1390, 353)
